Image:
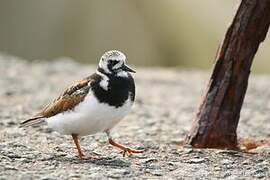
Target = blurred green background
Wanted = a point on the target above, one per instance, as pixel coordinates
(151, 32)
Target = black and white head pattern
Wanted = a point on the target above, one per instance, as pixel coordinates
(114, 62)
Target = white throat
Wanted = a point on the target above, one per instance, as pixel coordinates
(122, 74)
(104, 83)
(104, 66)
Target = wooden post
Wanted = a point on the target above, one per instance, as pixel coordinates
(216, 122)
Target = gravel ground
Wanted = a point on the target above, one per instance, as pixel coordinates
(162, 115)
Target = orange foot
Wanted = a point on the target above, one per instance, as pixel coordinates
(125, 150)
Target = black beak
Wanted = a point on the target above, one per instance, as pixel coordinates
(126, 68)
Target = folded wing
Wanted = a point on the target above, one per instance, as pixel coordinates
(65, 102)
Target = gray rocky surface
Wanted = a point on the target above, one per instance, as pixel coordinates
(162, 115)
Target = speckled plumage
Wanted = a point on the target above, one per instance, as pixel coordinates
(108, 91)
(94, 104)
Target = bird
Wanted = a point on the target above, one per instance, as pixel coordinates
(94, 104)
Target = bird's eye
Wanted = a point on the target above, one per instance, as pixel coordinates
(113, 62)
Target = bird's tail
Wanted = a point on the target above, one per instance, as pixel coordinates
(32, 121)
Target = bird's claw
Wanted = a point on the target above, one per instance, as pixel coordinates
(129, 152)
(82, 157)
(126, 152)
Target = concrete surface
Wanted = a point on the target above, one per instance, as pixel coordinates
(165, 105)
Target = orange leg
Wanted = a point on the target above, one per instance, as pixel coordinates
(125, 149)
(77, 143)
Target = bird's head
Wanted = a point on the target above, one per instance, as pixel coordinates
(114, 62)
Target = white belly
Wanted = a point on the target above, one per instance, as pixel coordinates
(89, 117)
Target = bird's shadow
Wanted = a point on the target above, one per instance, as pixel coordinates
(100, 161)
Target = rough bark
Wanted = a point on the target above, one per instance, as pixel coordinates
(216, 122)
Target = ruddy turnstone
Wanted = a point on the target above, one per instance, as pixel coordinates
(94, 104)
